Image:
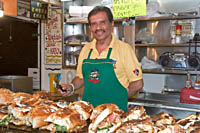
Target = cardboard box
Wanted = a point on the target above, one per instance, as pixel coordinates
(190, 96)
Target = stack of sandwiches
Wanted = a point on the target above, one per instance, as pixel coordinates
(38, 111)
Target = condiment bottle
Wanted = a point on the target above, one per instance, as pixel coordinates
(188, 82)
(178, 33)
(197, 82)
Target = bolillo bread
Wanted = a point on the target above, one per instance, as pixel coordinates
(83, 108)
(6, 96)
(38, 114)
(67, 120)
(105, 118)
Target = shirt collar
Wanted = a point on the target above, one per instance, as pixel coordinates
(93, 46)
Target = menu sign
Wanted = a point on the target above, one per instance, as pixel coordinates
(129, 8)
(53, 38)
(39, 10)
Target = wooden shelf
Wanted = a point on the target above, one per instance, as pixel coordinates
(141, 19)
(74, 44)
(171, 71)
(165, 45)
(86, 22)
(167, 18)
(69, 67)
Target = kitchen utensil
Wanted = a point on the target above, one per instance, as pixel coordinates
(56, 84)
(194, 60)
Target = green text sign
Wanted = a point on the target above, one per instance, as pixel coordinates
(129, 8)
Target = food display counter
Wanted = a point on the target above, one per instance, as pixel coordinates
(153, 103)
(170, 103)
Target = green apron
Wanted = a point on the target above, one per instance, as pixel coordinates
(101, 83)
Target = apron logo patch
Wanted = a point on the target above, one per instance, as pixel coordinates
(114, 64)
(136, 72)
(94, 76)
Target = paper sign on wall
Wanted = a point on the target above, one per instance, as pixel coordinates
(53, 39)
(129, 8)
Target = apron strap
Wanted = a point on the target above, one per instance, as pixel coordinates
(89, 53)
(109, 52)
(108, 55)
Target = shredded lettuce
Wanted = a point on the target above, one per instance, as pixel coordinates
(105, 128)
(142, 131)
(60, 128)
(6, 120)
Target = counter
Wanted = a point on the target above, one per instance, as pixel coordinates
(170, 103)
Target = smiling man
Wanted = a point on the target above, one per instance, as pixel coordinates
(107, 67)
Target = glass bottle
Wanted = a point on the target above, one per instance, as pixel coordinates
(197, 82)
(188, 82)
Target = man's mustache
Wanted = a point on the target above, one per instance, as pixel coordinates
(100, 31)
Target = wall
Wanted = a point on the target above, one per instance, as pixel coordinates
(10, 7)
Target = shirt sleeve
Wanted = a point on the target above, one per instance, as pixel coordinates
(132, 67)
(80, 62)
(83, 55)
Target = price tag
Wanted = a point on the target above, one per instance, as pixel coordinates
(129, 8)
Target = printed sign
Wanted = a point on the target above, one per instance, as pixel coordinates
(38, 10)
(129, 8)
(53, 38)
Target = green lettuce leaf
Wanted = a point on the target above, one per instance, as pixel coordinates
(60, 128)
(105, 128)
(6, 120)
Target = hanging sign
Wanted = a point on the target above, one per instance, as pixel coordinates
(129, 8)
(38, 10)
(53, 38)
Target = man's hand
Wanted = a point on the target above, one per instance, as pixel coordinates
(67, 89)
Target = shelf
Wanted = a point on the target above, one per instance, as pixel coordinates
(74, 44)
(76, 21)
(164, 45)
(170, 71)
(167, 18)
(69, 67)
(140, 19)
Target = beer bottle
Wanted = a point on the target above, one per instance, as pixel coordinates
(188, 82)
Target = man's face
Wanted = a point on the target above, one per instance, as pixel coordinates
(100, 26)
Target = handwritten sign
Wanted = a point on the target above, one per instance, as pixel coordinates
(53, 39)
(129, 8)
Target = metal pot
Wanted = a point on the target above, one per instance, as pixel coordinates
(73, 29)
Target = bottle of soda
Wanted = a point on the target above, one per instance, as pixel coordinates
(197, 82)
(188, 82)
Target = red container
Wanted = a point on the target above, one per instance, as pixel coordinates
(190, 96)
(178, 29)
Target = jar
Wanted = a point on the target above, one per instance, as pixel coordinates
(178, 39)
(178, 29)
(173, 38)
(178, 33)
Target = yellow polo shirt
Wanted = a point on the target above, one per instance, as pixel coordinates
(125, 63)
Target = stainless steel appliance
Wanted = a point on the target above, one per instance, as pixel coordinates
(174, 60)
(17, 83)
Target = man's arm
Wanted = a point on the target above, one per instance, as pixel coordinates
(134, 87)
(77, 82)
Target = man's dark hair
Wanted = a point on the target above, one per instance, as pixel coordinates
(98, 9)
